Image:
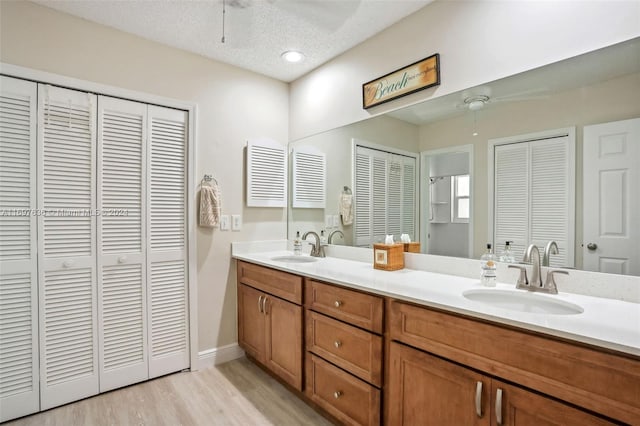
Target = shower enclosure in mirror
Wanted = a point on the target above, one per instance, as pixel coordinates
(599, 87)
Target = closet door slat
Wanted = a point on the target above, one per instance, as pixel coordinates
(19, 356)
(67, 251)
(122, 287)
(166, 252)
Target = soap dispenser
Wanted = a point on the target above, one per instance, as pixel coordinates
(297, 244)
(488, 265)
(507, 255)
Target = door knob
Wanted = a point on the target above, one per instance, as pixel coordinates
(592, 246)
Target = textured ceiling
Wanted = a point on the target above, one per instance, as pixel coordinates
(256, 31)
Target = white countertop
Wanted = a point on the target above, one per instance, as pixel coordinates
(607, 323)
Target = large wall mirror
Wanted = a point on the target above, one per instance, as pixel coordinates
(456, 140)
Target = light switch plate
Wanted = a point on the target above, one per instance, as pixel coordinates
(236, 222)
(328, 221)
(224, 222)
(336, 220)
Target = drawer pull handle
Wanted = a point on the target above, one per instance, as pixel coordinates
(260, 304)
(337, 343)
(337, 394)
(499, 407)
(479, 399)
(264, 305)
(337, 303)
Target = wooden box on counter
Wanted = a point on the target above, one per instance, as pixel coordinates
(412, 247)
(388, 257)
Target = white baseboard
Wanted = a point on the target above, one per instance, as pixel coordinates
(210, 357)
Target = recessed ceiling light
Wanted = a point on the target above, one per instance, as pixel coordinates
(292, 56)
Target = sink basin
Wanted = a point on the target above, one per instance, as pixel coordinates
(523, 301)
(295, 259)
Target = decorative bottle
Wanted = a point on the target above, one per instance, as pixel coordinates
(507, 255)
(488, 265)
(297, 244)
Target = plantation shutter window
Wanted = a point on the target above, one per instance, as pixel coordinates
(19, 353)
(266, 174)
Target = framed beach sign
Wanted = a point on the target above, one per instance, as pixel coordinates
(412, 78)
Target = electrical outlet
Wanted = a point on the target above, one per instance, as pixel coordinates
(236, 222)
(224, 222)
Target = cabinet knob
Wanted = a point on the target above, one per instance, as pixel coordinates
(337, 394)
(337, 303)
(337, 343)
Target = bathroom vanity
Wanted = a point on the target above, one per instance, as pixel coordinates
(407, 347)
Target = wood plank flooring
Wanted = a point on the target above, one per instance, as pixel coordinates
(234, 393)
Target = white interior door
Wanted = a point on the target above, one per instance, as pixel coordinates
(611, 197)
(19, 389)
(67, 245)
(168, 319)
(122, 286)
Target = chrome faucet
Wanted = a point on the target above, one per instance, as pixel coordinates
(317, 249)
(549, 249)
(532, 255)
(536, 278)
(337, 231)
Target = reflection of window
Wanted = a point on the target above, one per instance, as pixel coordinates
(460, 199)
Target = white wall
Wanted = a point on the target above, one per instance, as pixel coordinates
(478, 41)
(233, 105)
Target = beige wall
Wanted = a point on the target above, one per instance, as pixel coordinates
(611, 100)
(478, 41)
(232, 105)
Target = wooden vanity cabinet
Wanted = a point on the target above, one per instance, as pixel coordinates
(270, 327)
(427, 390)
(344, 352)
(553, 376)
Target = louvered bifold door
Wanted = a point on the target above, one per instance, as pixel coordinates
(19, 391)
(66, 245)
(122, 129)
(409, 179)
(363, 203)
(167, 242)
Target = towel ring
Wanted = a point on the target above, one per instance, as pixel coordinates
(208, 178)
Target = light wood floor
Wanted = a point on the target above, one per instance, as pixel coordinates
(235, 393)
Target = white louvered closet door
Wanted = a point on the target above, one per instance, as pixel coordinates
(167, 242)
(19, 389)
(363, 201)
(408, 215)
(67, 245)
(121, 262)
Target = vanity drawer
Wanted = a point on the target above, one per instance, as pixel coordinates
(604, 382)
(355, 350)
(345, 397)
(282, 284)
(360, 309)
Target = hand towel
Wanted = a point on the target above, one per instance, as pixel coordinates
(346, 208)
(209, 205)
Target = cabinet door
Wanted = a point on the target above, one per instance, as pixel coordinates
(283, 351)
(19, 388)
(251, 336)
(514, 406)
(67, 245)
(122, 284)
(426, 390)
(166, 252)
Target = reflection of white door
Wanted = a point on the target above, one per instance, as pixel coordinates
(612, 197)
